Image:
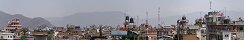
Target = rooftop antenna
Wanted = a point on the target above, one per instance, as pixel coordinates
(159, 15)
(147, 17)
(225, 11)
(125, 14)
(210, 4)
(200, 15)
(137, 21)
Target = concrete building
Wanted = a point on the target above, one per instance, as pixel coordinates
(12, 31)
(220, 27)
(168, 32)
(13, 26)
(201, 33)
(42, 32)
(7, 36)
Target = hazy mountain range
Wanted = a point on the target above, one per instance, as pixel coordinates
(112, 18)
(116, 18)
(90, 18)
(234, 15)
(24, 21)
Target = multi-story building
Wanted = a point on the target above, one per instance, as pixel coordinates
(13, 26)
(186, 31)
(220, 27)
(201, 32)
(12, 31)
(7, 36)
(168, 32)
(41, 33)
(71, 32)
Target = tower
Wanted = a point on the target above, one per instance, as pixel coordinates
(159, 20)
(147, 25)
(214, 19)
(181, 27)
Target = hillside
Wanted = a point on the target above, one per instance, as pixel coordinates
(112, 18)
(25, 21)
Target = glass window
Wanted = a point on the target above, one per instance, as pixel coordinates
(241, 28)
(219, 18)
(1, 36)
(226, 35)
(202, 31)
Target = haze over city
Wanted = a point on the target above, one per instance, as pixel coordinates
(121, 20)
(60, 8)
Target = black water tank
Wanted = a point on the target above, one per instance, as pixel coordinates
(131, 20)
(183, 18)
(127, 18)
(226, 21)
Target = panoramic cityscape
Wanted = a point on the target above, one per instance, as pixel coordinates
(121, 20)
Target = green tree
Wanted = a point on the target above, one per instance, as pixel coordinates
(51, 34)
(70, 34)
(24, 31)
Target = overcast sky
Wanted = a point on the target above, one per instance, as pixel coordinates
(59, 8)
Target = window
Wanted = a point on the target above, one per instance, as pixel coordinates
(219, 18)
(202, 31)
(1, 36)
(226, 35)
(241, 28)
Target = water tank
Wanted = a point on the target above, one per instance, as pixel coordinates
(183, 18)
(131, 20)
(226, 21)
(127, 18)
